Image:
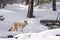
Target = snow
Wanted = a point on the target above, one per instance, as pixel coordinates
(34, 30)
(45, 35)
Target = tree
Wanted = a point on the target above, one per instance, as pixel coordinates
(50, 0)
(4, 3)
(0, 3)
(54, 5)
(30, 9)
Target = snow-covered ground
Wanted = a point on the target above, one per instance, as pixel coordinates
(17, 13)
(45, 35)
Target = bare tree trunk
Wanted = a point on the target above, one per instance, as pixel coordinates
(4, 3)
(54, 5)
(50, 0)
(0, 3)
(30, 9)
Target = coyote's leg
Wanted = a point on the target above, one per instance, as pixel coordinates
(21, 29)
(10, 28)
(14, 27)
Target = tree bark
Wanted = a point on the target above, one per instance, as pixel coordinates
(54, 5)
(30, 9)
(4, 3)
(50, 0)
(0, 3)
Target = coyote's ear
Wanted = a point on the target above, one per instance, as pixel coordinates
(26, 21)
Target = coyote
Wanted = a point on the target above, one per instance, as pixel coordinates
(16, 25)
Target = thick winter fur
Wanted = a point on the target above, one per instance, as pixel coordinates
(17, 25)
